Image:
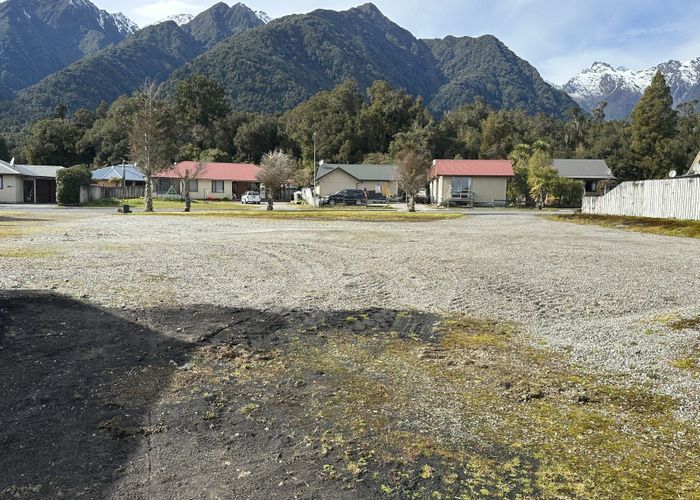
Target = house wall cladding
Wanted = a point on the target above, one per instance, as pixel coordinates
(677, 198)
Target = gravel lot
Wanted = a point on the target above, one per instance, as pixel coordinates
(496, 355)
(604, 296)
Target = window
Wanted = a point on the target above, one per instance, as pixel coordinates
(164, 185)
(217, 186)
(461, 186)
(1, 182)
(194, 185)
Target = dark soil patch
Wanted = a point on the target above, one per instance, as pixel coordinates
(238, 403)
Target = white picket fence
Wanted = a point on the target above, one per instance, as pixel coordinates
(677, 198)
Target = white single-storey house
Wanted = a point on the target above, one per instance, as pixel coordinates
(477, 182)
(27, 183)
(332, 178)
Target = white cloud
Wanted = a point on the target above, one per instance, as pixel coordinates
(153, 12)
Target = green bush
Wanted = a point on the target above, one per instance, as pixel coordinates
(566, 192)
(68, 182)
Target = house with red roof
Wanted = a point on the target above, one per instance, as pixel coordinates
(470, 182)
(215, 181)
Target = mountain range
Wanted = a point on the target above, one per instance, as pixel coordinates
(263, 66)
(622, 88)
(40, 37)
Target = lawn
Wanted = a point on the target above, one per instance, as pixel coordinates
(668, 227)
(170, 204)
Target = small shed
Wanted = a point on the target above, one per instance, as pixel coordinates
(590, 172)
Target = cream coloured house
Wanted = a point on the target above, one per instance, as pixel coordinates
(215, 181)
(27, 183)
(470, 182)
(332, 178)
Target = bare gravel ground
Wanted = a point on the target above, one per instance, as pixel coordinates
(604, 296)
(609, 301)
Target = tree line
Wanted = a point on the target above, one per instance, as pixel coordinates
(197, 123)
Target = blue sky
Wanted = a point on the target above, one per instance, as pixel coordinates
(558, 37)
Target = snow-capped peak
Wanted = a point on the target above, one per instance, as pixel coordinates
(263, 16)
(603, 82)
(180, 19)
(124, 24)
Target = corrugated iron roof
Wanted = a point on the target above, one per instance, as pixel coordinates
(472, 168)
(214, 171)
(133, 174)
(583, 169)
(360, 172)
(5, 169)
(48, 171)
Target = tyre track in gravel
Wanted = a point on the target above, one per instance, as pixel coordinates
(588, 291)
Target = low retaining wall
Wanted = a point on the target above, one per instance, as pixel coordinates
(677, 198)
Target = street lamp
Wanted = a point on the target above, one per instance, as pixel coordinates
(314, 137)
(123, 179)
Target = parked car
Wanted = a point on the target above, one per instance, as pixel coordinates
(345, 197)
(376, 199)
(251, 197)
(422, 196)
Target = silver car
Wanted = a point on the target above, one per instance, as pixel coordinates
(251, 197)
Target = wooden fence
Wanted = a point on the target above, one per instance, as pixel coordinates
(677, 198)
(91, 193)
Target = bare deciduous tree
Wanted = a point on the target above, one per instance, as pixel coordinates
(276, 169)
(412, 173)
(186, 176)
(149, 137)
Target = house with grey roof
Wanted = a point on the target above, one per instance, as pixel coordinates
(332, 178)
(27, 183)
(590, 172)
(114, 175)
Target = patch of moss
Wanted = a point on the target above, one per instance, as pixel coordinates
(248, 408)
(685, 324)
(464, 333)
(27, 253)
(668, 227)
(492, 417)
(688, 363)
(351, 215)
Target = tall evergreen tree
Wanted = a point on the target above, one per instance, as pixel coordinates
(653, 128)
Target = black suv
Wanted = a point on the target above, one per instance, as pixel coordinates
(346, 197)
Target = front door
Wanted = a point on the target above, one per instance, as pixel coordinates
(29, 191)
(45, 191)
